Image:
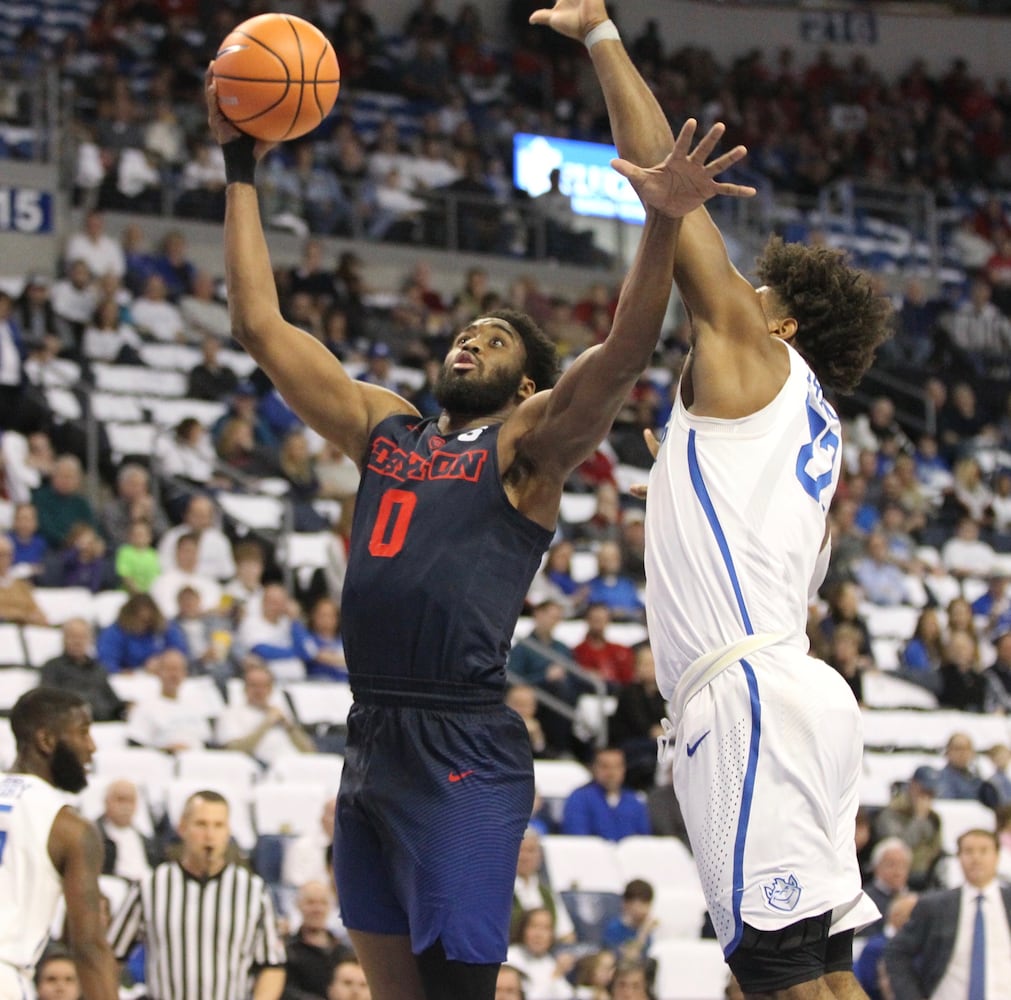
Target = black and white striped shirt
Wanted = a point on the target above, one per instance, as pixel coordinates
(203, 937)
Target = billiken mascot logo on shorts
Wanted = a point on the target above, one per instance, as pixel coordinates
(782, 894)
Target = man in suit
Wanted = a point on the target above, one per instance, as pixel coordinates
(957, 943)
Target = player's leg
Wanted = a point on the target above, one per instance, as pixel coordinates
(444, 979)
(372, 913)
(389, 965)
(839, 968)
(784, 964)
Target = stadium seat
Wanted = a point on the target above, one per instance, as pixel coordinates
(577, 507)
(917, 730)
(12, 647)
(14, 682)
(151, 769)
(111, 406)
(42, 643)
(136, 686)
(959, 815)
(203, 693)
(883, 691)
(680, 912)
(689, 970)
(64, 404)
(109, 735)
(583, 566)
(238, 769)
(658, 860)
(897, 622)
(288, 807)
(131, 439)
(253, 512)
(169, 412)
(318, 703)
(60, 604)
(582, 864)
(312, 768)
(107, 606)
(557, 779)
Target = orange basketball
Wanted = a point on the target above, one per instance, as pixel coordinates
(277, 76)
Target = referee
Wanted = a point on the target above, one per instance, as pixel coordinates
(208, 927)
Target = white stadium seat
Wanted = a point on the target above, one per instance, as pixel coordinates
(689, 970)
(585, 864)
(288, 807)
(308, 768)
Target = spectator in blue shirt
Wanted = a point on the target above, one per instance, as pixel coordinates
(922, 656)
(631, 933)
(867, 967)
(30, 548)
(957, 779)
(137, 636)
(609, 587)
(319, 642)
(881, 580)
(605, 807)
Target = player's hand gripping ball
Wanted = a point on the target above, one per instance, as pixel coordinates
(277, 77)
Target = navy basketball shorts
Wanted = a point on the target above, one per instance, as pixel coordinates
(432, 808)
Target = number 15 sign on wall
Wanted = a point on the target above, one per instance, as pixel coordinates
(25, 210)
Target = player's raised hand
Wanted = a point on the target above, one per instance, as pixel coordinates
(221, 128)
(572, 18)
(685, 181)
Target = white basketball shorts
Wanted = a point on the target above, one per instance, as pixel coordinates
(767, 767)
(14, 985)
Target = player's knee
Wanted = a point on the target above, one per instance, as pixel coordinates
(789, 963)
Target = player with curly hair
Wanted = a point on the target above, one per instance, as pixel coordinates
(766, 739)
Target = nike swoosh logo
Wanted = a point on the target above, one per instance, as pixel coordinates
(458, 776)
(692, 747)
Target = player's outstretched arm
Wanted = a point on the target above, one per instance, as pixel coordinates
(579, 411)
(713, 290)
(76, 850)
(311, 379)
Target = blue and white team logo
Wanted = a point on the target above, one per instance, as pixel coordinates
(782, 893)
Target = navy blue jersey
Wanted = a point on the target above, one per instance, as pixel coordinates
(440, 560)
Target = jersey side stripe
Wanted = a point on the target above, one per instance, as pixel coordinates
(714, 522)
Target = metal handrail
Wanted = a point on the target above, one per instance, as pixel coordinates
(553, 702)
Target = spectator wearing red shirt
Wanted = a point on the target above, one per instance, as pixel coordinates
(611, 661)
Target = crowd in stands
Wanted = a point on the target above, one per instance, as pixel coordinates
(428, 111)
(919, 523)
(211, 629)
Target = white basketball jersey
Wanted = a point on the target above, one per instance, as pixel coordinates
(30, 886)
(735, 518)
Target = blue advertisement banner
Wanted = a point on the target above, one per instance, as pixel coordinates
(586, 175)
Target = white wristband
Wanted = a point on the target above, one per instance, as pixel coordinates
(604, 31)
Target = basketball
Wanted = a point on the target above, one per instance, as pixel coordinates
(277, 76)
